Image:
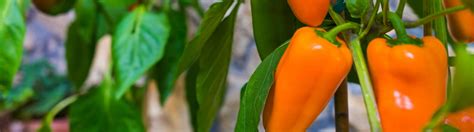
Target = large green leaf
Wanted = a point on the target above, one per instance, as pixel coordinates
(12, 33)
(211, 79)
(82, 37)
(211, 20)
(256, 92)
(99, 111)
(138, 43)
(273, 24)
(166, 70)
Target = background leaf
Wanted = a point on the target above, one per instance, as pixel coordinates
(211, 20)
(211, 78)
(12, 33)
(256, 92)
(166, 70)
(273, 24)
(82, 37)
(99, 111)
(138, 44)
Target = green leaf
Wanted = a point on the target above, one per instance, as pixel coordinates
(81, 40)
(54, 7)
(417, 6)
(138, 44)
(462, 91)
(273, 24)
(12, 33)
(99, 111)
(191, 98)
(166, 70)
(256, 92)
(211, 20)
(211, 80)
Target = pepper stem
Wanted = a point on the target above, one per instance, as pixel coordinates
(332, 34)
(402, 35)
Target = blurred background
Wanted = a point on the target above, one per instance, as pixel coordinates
(42, 81)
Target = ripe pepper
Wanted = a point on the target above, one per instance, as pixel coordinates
(310, 12)
(409, 77)
(462, 120)
(306, 78)
(460, 23)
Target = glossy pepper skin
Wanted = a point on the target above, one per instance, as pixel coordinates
(409, 82)
(306, 78)
(461, 24)
(310, 12)
(462, 120)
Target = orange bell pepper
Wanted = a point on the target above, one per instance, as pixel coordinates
(310, 12)
(460, 23)
(409, 82)
(306, 78)
(462, 120)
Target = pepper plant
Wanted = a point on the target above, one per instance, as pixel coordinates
(308, 49)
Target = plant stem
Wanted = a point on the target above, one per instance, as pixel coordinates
(385, 10)
(425, 19)
(366, 85)
(58, 107)
(433, 16)
(401, 7)
(340, 97)
(371, 20)
(442, 34)
(336, 17)
(426, 12)
(332, 34)
(399, 27)
(341, 108)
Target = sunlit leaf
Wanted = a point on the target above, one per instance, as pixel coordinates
(12, 33)
(138, 43)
